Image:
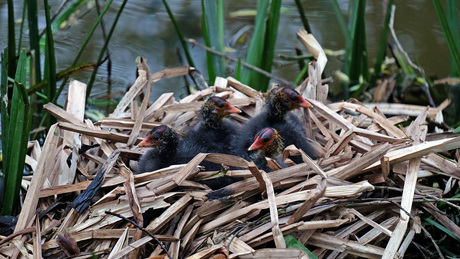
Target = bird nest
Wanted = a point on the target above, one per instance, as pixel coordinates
(361, 197)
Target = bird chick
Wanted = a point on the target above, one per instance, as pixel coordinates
(164, 143)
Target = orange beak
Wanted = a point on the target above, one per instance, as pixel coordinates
(147, 142)
(258, 143)
(144, 143)
(232, 109)
(304, 103)
(254, 146)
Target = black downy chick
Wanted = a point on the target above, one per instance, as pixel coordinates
(164, 143)
(276, 114)
(214, 131)
(167, 149)
(267, 143)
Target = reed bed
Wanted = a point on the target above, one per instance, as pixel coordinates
(361, 197)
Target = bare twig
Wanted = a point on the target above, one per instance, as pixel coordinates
(18, 233)
(432, 240)
(240, 228)
(380, 200)
(432, 197)
(376, 201)
(141, 228)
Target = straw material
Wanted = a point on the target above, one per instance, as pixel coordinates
(321, 202)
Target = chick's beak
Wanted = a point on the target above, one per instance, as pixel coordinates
(144, 143)
(258, 143)
(232, 109)
(304, 103)
(148, 142)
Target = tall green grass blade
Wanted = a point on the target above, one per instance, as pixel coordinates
(448, 253)
(213, 31)
(18, 127)
(83, 46)
(408, 71)
(50, 58)
(34, 40)
(69, 11)
(60, 21)
(77, 57)
(356, 52)
(35, 69)
(454, 52)
(362, 46)
(406, 68)
(104, 47)
(364, 73)
(256, 47)
(356, 57)
(238, 70)
(221, 23)
(11, 41)
(301, 75)
(207, 42)
(342, 21)
(303, 18)
(452, 20)
(4, 109)
(271, 35)
(456, 130)
(292, 242)
(442, 228)
(179, 33)
(382, 43)
(356, 65)
(21, 29)
(349, 43)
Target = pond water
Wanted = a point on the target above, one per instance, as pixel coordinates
(144, 29)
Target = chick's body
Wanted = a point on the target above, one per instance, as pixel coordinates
(214, 131)
(267, 143)
(276, 114)
(164, 143)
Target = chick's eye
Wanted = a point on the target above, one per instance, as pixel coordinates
(220, 105)
(265, 140)
(294, 97)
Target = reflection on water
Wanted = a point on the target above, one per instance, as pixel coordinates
(145, 30)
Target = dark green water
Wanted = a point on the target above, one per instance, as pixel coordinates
(145, 30)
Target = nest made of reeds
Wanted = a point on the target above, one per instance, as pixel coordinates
(360, 197)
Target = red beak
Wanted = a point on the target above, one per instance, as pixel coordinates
(304, 103)
(232, 109)
(144, 143)
(148, 142)
(258, 143)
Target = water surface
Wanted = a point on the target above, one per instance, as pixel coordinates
(144, 29)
